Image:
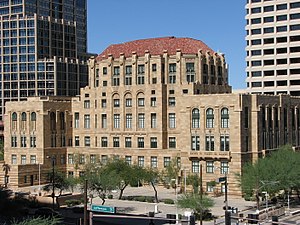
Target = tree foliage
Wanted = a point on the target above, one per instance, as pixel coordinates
(171, 172)
(1, 150)
(199, 204)
(278, 171)
(194, 180)
(38, 221)
(100, 180)
(61, 183)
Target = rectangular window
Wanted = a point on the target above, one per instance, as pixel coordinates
(103, 103)
(103, 121)
(116, 142)
(153, 120)
(128, 159)
(153, 101)
(224, 167)
(86, 104)
(14, 143)
(195, 142)
(104, 142)
(128, 124)
(127, 142)
(209, 143)
(141, 161)
(81, 158)
(23, 159)
(77, 141)
(190, 72)
(172, 142)
(13, 159)
(87, 121)
(32, 159)
(116, 121)
(87, 141)
(209, 167)
(153, 142)
(116, 103)
(70, 159)
(23, 141)
(167, 161)
(76, 118)
(141, 120)
(172, 101)
(93, 159)
(224, 142)
(32, 141)
(172, 120)
(195, 166)
(153, 162)
(128, 75)
(140, 143)
(172, 73)
(128, 102)
(141, 102)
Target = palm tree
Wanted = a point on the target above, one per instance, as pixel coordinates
(6, 169)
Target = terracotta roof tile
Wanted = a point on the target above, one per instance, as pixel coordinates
(155, 46)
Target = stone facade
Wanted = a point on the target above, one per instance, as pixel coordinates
(150, 109)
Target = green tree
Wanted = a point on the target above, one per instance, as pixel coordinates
(278, 171)
(194, 180)
(171, 172)
(6, 169)
(60, 184)
(100, 180)
(151, 176)
(123, 172)
(1, 150)
(199, 204)
(38, 221)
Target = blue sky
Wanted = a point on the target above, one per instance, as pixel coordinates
(218, 23)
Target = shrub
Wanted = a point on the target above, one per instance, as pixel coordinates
(149, 199)
(72, 202)
(140, 198)
(110, 196)
(168, 201)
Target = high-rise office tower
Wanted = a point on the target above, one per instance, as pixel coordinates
(43, 48)
(273, 46)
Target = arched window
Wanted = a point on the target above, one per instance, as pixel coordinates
(14, 117)
(52, 121)
(33, 116)
(14, 121)
(195, 118)
(209, 118)
(23, 116)
(62, 120)
(224, 118)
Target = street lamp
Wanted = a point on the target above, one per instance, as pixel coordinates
(39, 179)
(266, 196)
(53, 182)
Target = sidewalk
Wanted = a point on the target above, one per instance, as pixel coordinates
(135, 207)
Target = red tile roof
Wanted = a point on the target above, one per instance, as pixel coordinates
(155, 46)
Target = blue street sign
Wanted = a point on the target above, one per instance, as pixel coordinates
(102, 208)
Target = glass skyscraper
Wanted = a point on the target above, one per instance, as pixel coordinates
(43, 48)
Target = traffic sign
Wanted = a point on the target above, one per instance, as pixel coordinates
(221, 179)
(102, 208)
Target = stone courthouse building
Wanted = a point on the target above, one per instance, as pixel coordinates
(150, 101)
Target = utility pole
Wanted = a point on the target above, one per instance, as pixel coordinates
(85, 219)
(53, 182)
(201, 194)
(227, 213)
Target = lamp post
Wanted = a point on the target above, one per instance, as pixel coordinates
(53, 182)
(266, 196)
(39, 179)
